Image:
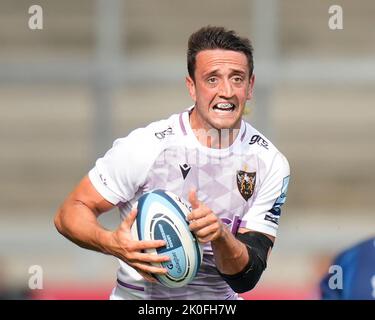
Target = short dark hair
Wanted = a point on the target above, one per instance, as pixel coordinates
(211, 37)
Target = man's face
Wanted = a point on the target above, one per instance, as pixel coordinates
(220, 90)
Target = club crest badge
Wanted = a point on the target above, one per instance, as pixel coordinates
(246, 183)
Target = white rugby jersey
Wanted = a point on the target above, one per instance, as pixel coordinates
(244, 184)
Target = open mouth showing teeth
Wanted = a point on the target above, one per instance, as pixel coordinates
(224, 107)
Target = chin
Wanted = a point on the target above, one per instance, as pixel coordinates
(226, 124)
(230, 121)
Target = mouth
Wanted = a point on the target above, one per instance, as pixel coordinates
(224, 107)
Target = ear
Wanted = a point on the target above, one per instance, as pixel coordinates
(251, 87)
(191, 87)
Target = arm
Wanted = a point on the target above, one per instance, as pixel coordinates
(258, 247)
(231, 254)
(77, 220)
(238, 261)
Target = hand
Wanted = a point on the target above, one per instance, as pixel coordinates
(203, 222)
(129, 250)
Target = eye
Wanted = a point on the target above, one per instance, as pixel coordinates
(237, 79)
(212, 80)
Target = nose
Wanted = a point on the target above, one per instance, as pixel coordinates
(225, 89)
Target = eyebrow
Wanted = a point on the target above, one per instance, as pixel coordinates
(217, 72)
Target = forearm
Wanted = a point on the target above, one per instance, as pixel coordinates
(79, 224)
(231, 255)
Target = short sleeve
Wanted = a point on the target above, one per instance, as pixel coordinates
(119, 174)
(265, 211)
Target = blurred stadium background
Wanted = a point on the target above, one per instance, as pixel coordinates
(99, 69)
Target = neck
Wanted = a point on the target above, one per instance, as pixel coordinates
(212, 137)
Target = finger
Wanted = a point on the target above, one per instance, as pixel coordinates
(197, 224)
(206, 231)
(205, 239)
(208, 237)
(201, 213)
(193, 199)
(148, 244)
(148, 268)
(150, 257)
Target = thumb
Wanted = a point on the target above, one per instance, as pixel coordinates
(130, 218)
(193, 199)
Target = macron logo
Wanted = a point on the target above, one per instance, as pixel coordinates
(185, 168)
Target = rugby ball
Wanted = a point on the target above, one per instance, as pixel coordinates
(162, 216)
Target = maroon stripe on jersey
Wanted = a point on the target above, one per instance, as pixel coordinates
(130, 286)
(182, 125)
(121, 204)
(243, 135)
